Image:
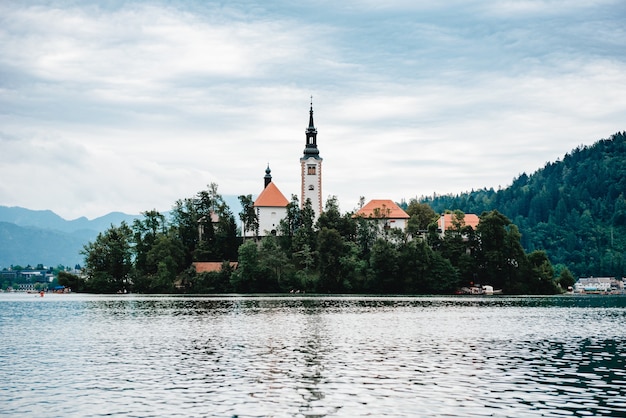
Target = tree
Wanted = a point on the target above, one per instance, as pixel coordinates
(71, 281)
(421, 216)
(414, 260)
(165, 260)
(145, 233)
(248, 216)
(247, 276)
(330, 249)
(500, 256)
(288, 226)
(108, 260)
(226, 242)
(566, 279)
(185, 223)
(331, 218)
(540, 277)
(274, 262)
(382, 277)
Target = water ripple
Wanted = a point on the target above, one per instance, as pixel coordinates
(91, 356)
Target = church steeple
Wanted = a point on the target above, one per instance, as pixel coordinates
(310, 150)
(311, 169)
(268, 175)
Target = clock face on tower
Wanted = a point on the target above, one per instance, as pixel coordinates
(311, 187)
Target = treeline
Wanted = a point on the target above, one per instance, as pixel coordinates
(336, 254)
(574, 209)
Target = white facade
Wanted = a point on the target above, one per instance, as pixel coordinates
(269, 218)
(311, 172)
(593, 284)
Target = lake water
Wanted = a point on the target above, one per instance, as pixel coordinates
(291, 356)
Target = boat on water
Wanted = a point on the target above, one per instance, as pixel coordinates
(479, 290)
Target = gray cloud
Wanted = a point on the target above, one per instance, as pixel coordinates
(131, 105)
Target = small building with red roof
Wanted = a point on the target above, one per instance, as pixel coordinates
(448, 221)
(270, 206)
(386, 211)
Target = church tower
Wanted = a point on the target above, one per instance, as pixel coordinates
(311, 169)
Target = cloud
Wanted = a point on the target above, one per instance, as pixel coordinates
(132, 105)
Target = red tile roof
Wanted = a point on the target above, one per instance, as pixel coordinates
(210, 266)
(386, 208)
(470, 220)
(271, 196)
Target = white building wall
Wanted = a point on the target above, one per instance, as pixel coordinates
(311, 172)
(398, 223)
(269, 218)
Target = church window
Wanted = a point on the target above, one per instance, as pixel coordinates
(311, 170)
(310, 140)
(311, 187)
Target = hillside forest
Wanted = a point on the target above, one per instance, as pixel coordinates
(573, 209)
(567, 219)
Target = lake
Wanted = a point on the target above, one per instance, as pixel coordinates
(311, 356)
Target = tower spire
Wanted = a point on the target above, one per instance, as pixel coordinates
(310, 150)
(268, 176)
(311, 124)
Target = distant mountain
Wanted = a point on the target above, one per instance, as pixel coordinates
(43, 237)
(24, 245)
(47, 219)
(574, 209)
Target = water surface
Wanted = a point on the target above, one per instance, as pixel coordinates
(285, 356)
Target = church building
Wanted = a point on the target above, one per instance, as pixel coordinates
(271, 205)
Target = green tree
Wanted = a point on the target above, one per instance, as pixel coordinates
(414, 260)
(166, 259)
(185, 223)
(566, 279)
(247, 277)
(145, 233)
(71, 281)
(248, 215)
(540, 278)
(330, 248)
(288, 226)
(421, 216)
(441, 276)
(500, 256)
(108, 260)
(383, 274)
(332, 218)
(274, 263)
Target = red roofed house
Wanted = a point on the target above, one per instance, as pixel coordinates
(211, 266)
(387, 210)
(271, 206)
(447, 221)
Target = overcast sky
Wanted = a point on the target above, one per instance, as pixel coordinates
(131, 105)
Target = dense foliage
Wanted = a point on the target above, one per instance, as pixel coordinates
(574, 209)
(571, 214)
(336, 254)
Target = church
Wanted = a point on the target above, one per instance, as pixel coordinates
(271, 204)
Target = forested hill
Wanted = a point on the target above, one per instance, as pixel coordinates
(574, 209)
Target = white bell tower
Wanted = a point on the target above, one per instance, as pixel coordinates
(311, 169)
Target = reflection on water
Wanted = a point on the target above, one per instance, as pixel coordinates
(84, 355)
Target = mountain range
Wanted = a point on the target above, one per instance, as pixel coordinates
(31, 237)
